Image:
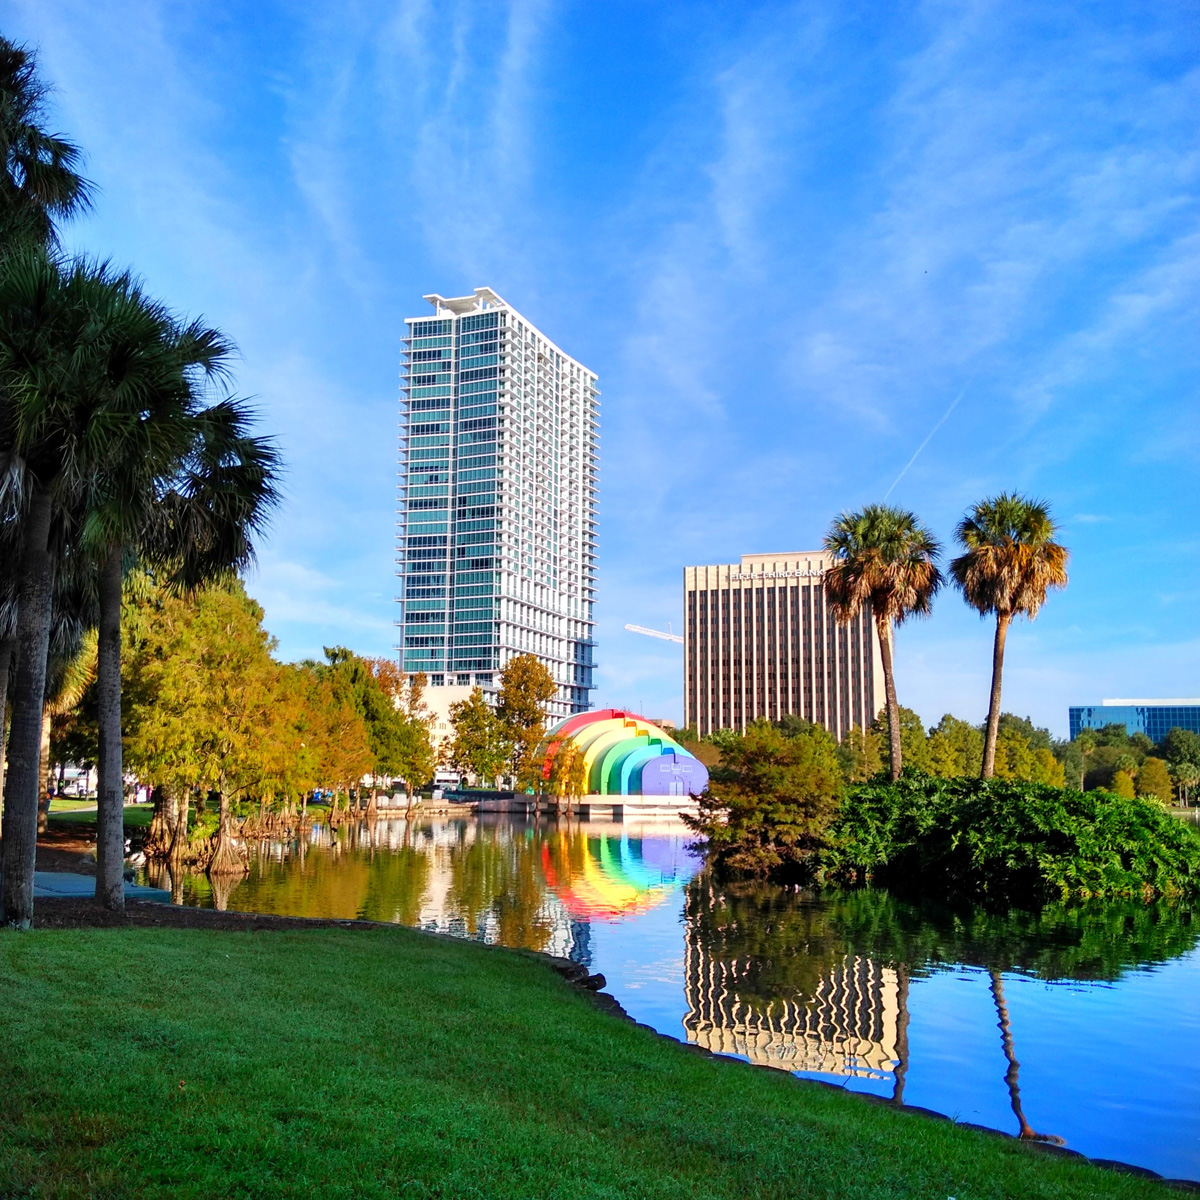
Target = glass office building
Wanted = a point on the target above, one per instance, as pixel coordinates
(1154, 718)
(496, 509)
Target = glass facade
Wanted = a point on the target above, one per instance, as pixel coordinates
(1153, 718)
(496, 512)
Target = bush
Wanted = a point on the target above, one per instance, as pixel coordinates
(770, 802)
(1003, 838)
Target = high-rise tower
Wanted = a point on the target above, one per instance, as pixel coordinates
(496, 511)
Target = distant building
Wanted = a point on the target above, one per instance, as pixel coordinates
(1154, 718)
(496, 513)
(759, 642)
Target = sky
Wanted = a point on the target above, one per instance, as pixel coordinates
(818, 255)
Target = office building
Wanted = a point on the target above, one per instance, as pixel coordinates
(1154, 718)
(496, 510)
(759, 642)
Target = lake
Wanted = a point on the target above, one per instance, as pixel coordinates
(1079, 1023)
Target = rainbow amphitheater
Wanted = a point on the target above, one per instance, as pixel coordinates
(627, 760)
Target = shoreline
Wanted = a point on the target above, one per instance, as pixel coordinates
(68, 914)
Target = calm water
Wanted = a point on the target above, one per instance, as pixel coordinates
(1083, 1022)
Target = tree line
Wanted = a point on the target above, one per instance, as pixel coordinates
(122, 447)
(211, 718)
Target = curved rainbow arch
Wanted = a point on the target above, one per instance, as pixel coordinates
(626, 755)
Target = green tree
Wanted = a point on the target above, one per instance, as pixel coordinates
(1154, 780)
(1187, 777)
(1010, 562)
(955, 748)
(860, 754)
(884, 561)
(40, 181)
(1122, 785)
(204, 688)
(914, 746)
(769, 804)
(526, 687)
(480, 745)
(1180, 746)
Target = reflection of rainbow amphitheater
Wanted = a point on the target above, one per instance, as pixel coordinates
(623, 755)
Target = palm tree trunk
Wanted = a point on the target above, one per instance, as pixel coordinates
(34, 605)
(7, 650)
(110, 784)
(884, 628)
(901, 1073)
(993, 723)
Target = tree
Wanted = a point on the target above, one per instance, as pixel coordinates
(885, 561)
(67, 395)
(914, 746)
(1154, 780)
(39, 171)
(1187, 776)
(860, 754)
(184, 492)
(1010, 562)
(205, 689)
(481, 745)
(1180, 746)
(526, 686)
(769, 805)
(955, 748)
(1122, 785)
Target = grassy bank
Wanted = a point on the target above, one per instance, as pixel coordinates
(137, 816)
(372, 1063)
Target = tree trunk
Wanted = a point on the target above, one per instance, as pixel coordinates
(179, 835)
(35, 602)
(225, 859)
(884, 629)
(43, 818)
(110, 777)
(901, 1073)
(993, 722)
(1012, 1075)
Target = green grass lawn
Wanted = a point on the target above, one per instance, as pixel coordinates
(137, 816)
(62, 804)
(376, 1063)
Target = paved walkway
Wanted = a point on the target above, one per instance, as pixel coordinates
(65, 884)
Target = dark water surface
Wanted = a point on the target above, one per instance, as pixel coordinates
(1079, 1023)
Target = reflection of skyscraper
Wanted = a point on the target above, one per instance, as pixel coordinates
(848, 1027)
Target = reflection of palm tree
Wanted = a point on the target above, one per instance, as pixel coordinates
(1011, 1076)
(901, 1072)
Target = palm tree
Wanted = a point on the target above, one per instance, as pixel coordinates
(39, 180)
(885, 559)
(83, 359)
(187, 510)
(1011, 561)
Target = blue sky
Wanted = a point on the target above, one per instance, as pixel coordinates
(788, 238)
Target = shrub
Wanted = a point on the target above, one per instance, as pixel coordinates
(1003, 838)
(769, 804)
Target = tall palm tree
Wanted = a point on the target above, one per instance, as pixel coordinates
(188, 512)
(39, 177)
(73, 392)
(884, 558)
(1010, 562)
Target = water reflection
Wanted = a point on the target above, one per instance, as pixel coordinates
(833, 984)
(536, 886)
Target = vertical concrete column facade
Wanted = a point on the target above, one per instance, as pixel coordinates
(759, 642)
